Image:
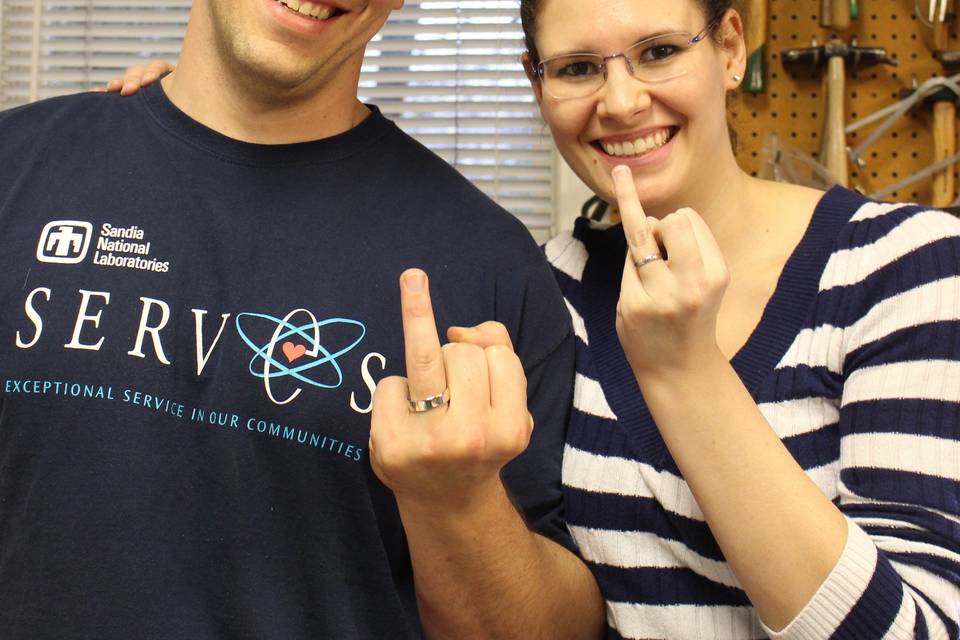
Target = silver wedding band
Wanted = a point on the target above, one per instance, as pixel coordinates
(645, 260)
(433, 402)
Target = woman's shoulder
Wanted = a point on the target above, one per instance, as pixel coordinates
(891, 251)
(855, 221)
(891, 229)
(567, 253)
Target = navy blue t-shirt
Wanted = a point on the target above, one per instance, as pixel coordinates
(191, 330)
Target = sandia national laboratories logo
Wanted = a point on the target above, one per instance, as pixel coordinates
(124, 247)
(64, 241)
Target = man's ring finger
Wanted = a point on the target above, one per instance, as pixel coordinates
(433, 402)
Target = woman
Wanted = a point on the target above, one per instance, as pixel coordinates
(765, 438)
(765, 423)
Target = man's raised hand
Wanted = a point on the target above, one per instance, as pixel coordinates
(447, 454)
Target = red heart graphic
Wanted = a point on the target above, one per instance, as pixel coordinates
(293, 351)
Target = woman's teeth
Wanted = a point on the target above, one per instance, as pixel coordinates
(309, 9)
(637, 147)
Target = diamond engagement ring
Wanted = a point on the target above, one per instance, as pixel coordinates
(433, 402)
(645, 260)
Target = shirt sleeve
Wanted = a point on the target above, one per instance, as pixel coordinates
(543, 339)
(899, 464)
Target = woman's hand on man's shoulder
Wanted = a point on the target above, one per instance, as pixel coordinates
(136, 77)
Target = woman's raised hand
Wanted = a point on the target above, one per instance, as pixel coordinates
(138, 76)
(673, 282)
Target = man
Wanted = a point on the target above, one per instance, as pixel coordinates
(199, 299)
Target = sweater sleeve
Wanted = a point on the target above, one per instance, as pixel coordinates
(899, 460)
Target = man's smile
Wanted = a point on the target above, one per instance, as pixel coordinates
(313, 10)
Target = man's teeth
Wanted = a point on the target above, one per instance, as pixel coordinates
(309, 9)
(637, 147)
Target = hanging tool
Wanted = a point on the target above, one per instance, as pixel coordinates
(840, 14)
(889, 115)
(830, 8)
(837, 57)
(892, 112)
(944, 145)
(944, 104)
(936, 18)
(756, 46)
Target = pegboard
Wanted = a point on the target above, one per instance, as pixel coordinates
(793, 104)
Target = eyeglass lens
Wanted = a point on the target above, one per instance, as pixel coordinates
(654, 60)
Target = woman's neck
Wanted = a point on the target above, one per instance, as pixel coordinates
(725, 196)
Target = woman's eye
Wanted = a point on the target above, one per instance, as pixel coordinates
(660, 52)
(578, 69)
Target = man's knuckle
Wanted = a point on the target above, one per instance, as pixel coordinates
(513, 442)
(475, 445)
(386, 386)
(421, 359)
(501, 353)
(522, 438)
(418, 306)
(432, 453)
(463, 354)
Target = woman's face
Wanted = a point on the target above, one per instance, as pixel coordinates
(675, 127)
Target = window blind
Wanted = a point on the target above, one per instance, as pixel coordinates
(447, 72)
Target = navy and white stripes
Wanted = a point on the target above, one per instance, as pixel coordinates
(856, 366)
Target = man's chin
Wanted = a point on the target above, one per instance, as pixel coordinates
(279, 79)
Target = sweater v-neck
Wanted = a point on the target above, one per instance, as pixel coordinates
(783, 316)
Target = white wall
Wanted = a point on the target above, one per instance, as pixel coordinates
(569, 194)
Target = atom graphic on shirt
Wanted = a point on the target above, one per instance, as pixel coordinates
(283, 355)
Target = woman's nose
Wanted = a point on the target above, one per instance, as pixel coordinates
(622, 95)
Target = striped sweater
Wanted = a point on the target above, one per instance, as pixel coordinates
(856, 365)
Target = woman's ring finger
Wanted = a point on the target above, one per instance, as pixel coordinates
(647, 259)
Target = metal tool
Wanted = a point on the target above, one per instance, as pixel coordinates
(939, 12)
(942, 102)
(888, 117)
(840, 14)
(837, 57)
(756, 46)
(944, 106)
(829, 7)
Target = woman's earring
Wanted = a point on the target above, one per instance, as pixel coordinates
(737, 77)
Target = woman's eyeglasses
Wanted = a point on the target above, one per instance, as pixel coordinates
(656, 59)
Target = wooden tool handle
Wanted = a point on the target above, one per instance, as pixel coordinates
(840, 14)
(941, 36)
(940, 14)
(944, 146)
(756, 46)
(825, 13)
(833, 151)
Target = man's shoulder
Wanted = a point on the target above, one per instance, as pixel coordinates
(417, 164)
(439, 193)
(63, 118)
(43, 111)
